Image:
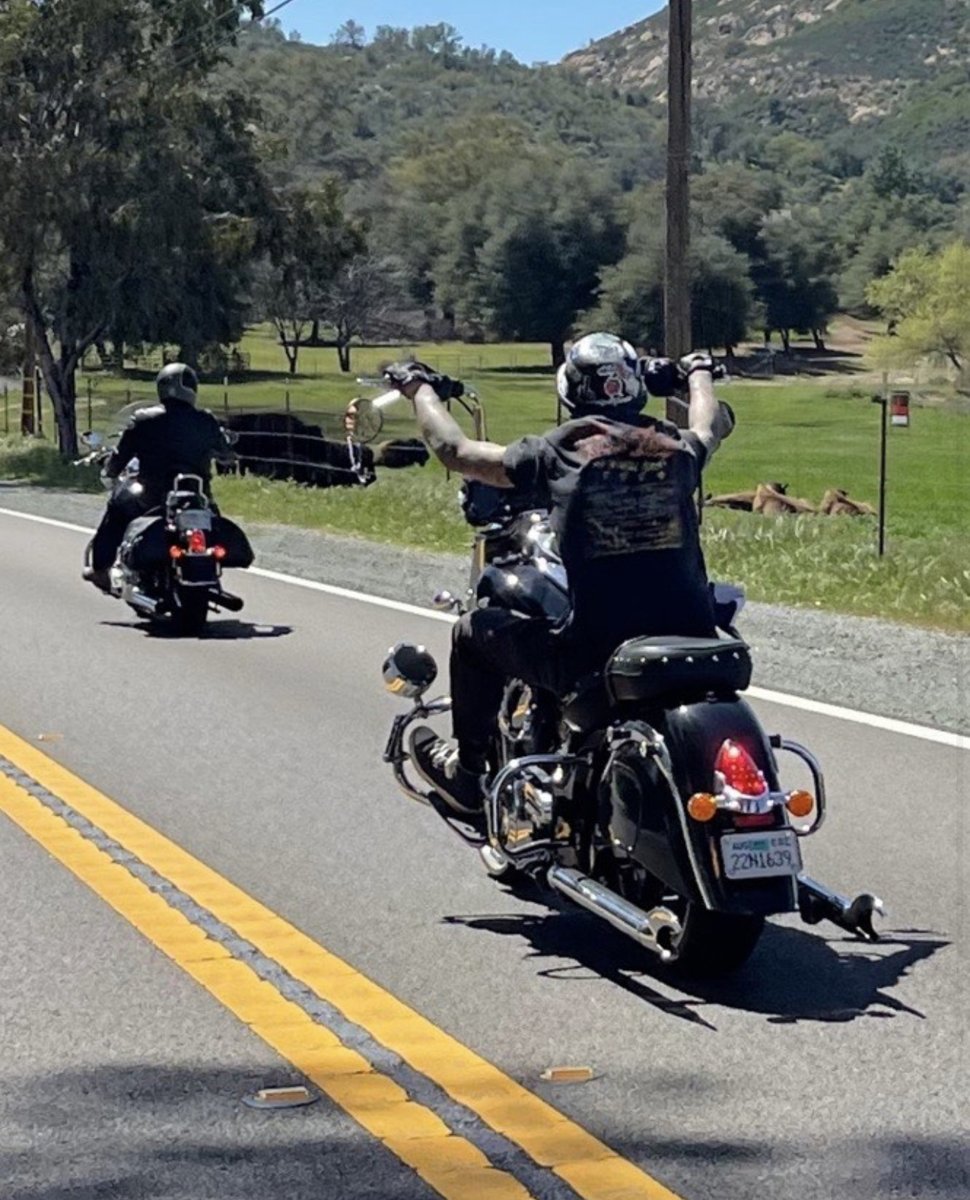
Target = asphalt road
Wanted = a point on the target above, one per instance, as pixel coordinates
(826, 1069)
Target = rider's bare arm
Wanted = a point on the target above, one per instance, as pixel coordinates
(450, 444)
(705, 417)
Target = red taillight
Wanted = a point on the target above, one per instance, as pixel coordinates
(219, 552)
(740, 770)
(196, 542)
(175, 551)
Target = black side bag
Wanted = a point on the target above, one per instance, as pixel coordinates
(227, 533)
(145, 544)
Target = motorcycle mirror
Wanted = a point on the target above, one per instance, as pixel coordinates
(444, 601)
(409, 670)
(92, 440)
(363, 420)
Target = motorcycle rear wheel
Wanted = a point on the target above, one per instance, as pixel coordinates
(712, 943)
(715, 943)
(191, 611)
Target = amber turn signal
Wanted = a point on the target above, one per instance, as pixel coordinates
(800, 804)
(702, 806)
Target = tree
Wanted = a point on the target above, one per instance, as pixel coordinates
(314, 240)
(360, 299)
(127, 189)
(926, 297)
(795, 280)
(528, 253)
(631, 294)
(351, 34)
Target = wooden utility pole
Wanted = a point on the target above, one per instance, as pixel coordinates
(677, 325)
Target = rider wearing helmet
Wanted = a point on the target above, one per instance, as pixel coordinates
(620, 489)
(171, 438)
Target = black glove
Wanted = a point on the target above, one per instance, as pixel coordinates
(401, 374)
(662, 376)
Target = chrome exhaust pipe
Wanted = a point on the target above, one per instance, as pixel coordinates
(658, 930)
(143, 603)
(817, 903)
(228, 601)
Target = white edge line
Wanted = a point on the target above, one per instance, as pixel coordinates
(942, 737)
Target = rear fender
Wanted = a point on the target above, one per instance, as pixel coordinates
(648, 814)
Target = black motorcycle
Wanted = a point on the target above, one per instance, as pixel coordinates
(650, 795)
(170, 562)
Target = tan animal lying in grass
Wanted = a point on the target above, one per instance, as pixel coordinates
(836, 502)
(769, 498)
(772, 500)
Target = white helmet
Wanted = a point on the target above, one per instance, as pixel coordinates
(601, 371)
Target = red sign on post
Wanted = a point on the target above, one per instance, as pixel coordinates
(899, 409)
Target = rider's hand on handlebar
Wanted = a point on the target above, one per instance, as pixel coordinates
(698, 361)
(408, 376)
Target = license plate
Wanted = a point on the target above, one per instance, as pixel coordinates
(760, 855)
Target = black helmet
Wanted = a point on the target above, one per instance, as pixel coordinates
(177, 382)
(601, 372)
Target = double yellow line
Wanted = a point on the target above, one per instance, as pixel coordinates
(449, 1163)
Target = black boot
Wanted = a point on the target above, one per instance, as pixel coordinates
(436, 761)
(100, 579)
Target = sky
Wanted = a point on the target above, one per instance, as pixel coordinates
(533, 30)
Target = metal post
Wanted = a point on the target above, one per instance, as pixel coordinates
(883, 402)
(29, 380)
(677, 322)
(225, 394)
(38, 393)
(90, 405)
(6, 409)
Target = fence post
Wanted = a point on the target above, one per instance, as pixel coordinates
(90, 406)
(6, 409)
(225, 394)
(40, 402)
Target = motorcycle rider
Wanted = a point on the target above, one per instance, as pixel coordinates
(634, 560)
(171, 438)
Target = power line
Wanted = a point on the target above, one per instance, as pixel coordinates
(232, 34)
(188, 59)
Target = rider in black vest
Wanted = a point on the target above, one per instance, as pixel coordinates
(620, 487)
(172, 438)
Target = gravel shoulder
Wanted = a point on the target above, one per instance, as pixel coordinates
(863, 663)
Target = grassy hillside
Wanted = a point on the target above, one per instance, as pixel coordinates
(864, 72)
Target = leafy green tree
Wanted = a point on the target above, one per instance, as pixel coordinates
(528, 250)
(734, 201)
(926, 298)
(351, 34)
(314, 240)
(119, 167)
(795, 280)
(631, 293)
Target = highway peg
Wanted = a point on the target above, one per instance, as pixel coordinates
(567, 1075)
(295, 1096)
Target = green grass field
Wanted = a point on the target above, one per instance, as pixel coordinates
(810, 435)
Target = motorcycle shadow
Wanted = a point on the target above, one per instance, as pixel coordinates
(794, 975)
(229, 630)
